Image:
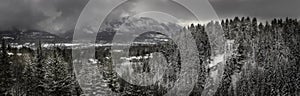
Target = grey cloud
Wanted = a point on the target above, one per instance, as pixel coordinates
(15, 13)
(263, 9)
(62, 15)
(40, 14)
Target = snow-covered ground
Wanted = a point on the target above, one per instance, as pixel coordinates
(147, 56)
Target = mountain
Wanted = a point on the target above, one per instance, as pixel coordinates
(110, 29)
(29, 36)
(128, 25)
(136, 26)
(68, 35)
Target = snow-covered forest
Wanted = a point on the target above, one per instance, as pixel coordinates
(257, 59)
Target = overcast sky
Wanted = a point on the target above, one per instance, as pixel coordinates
(61, 15)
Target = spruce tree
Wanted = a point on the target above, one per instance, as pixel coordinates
(6, 78)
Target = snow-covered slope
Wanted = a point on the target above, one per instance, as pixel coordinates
(134, 27)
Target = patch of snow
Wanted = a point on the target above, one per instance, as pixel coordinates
(10, 54)
(19, 54)
(93, 61)
(137, 57)
(117, 51)
(216, 60)
(8, 38)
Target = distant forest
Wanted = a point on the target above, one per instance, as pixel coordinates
(264, 60)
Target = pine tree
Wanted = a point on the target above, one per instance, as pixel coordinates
(57, 78)
(39, 72)
(6, 78)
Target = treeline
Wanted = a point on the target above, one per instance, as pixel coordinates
(265, 55)
(39, 72)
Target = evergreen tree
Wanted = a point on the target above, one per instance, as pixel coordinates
(57, 78)
(39, 71)
(6, 78)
